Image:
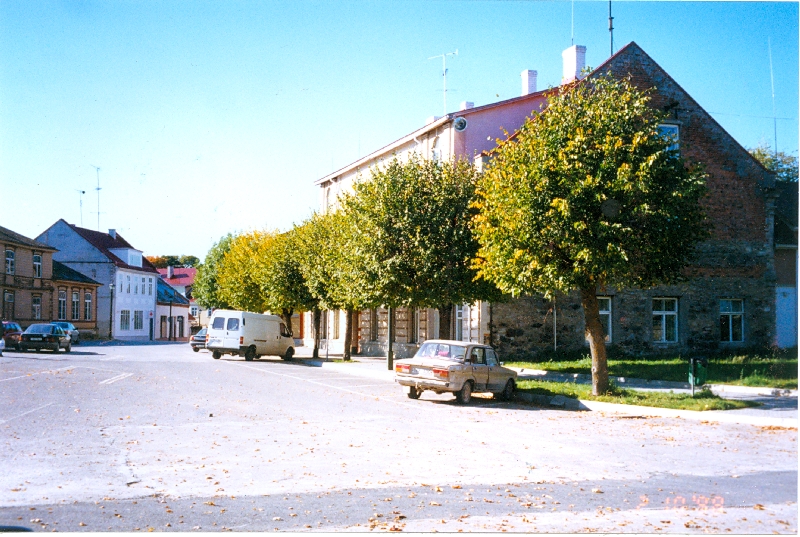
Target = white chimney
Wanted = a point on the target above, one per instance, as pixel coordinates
(574, 62)
(170, 272)
(466, 105)
(113, 233)
(528, 82)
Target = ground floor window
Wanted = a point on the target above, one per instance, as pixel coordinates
(336, 324)
(605, 315)
(665, 320)
(731, 320)
(8, 305)
(125, 320)
(180, 326)
(36, 307)
(87, 306)
(138, 320)
(62, 305)
(459, 325)
(76, 305)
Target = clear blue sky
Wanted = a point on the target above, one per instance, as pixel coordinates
(212, 117)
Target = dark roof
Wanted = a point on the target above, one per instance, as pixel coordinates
(6, 236)
(104, 242)
(62, 272)
(166, 294)
(786, 212)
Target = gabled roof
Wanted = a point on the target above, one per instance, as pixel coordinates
(166, 294)
(62, 272)
(8, 236)
(180, 275)
(104, 242)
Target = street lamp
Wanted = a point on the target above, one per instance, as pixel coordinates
(111, 313)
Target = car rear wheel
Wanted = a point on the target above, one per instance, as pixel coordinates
(413, 392)
(464, 395)
(195, 349)
(216, 355)
(289, 353)
(250, 354)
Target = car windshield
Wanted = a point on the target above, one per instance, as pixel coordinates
(444, 351)
(62, 325)
(40, 329)
(202, 332)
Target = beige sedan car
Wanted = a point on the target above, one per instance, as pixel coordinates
(459, 367)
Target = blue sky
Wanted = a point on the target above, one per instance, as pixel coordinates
(214, 117)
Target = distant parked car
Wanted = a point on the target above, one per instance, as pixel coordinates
(2, 346)
(198, 341)
(45, 336)
(11, 333)
(458, 367)
(69, 328)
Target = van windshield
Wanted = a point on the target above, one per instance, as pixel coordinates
(233, 323)
(219, 323)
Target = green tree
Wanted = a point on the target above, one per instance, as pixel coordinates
(588, 194)
(782, 164)
(411, 222)
(164, 261)
(240, 274)
(205, 288)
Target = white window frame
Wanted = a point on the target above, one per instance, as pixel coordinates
(37, 265)
(125, 320)
(36, 307)
(459, 324)
(76, 305)
(666, 316)
(730, 312)
(62, 305)
(672, 131)
(138, 320)
(606, 316)
(10, 261)
(87, 306)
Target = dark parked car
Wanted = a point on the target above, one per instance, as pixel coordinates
(11, 333)
(70, 329)
(198, 341)
(45, 336)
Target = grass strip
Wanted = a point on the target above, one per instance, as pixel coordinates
(702, 400)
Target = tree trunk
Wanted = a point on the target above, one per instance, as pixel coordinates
(348, 335)
(316, 318)
(354, 332)
(597, 341)
(286, 314)
(445, 320)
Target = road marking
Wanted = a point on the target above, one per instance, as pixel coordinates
(25, 413)
(115, 379)
(39, 373)
(369, 385)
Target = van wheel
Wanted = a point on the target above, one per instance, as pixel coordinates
(250, 353)
(289, 354)
(216, 355)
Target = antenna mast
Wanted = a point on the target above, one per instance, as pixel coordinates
(444, 74)
(611, 27)
(774, 115)
(80, 202)
(98, 195)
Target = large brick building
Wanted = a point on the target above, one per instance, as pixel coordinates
(728, 298)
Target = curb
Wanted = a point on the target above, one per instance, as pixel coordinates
(632, 411)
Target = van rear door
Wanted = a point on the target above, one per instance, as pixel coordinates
(232, 333)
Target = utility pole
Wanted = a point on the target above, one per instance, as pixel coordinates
(444, 74)
(611, 27)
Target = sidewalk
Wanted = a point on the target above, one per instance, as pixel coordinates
(779, 407)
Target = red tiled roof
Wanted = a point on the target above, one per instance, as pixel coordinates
(104, 242)
(180, 275)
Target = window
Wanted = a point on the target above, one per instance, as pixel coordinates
(37, 266)
(219, 323)
(605, 315)
(665, 320)
(129, 284)
(194, 311)
(87, 306)
(8, 304)
(10, 262)
(233, 324)
(459, 335)
(731, 320)
(491, 358)
(62, 305)
(136, 286)
(138, 320)
(672, 132)
(125, 320)
(478, 356)
(150, 286)
(76, 305)
(36, 307)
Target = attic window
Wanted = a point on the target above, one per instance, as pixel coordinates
(671, 132)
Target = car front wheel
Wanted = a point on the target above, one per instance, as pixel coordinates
(464, 395)
(508, 392)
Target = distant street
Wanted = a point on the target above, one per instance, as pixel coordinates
(129, 438)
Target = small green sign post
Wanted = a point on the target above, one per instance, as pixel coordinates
(698, 372)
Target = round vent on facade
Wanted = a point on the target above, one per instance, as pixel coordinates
(460, 124)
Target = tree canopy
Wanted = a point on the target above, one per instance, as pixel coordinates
(206, 289)
(588, 194)
(782, 164)
(164, 261)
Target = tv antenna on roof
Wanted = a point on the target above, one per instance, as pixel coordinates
(98, 195)
(611, 27)
(444, 74)
(774, 115)
(80, 202)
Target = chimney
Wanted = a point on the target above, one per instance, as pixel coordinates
(113, 233)
(170, 272)
(466, 105)
(528, 82)
(574, 62)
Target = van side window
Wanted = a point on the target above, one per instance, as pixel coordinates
(219, 323)
(233, 324)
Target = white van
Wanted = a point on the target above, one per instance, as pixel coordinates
(251, 335)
